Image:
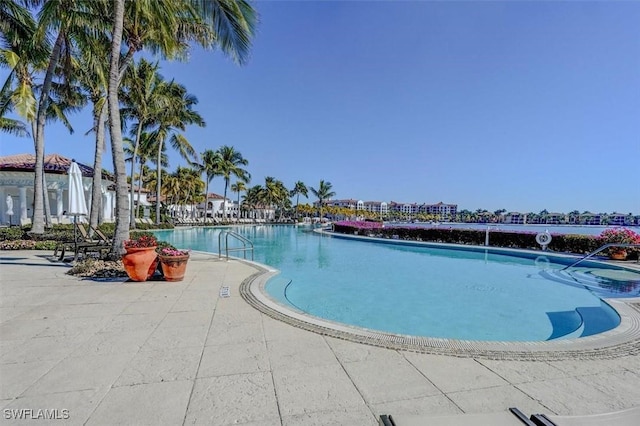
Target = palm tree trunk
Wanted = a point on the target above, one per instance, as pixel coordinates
(38, 198)
(140, 186)
(238, 214)
(45, 197)
(224, 200)
(158, 183)
(132, 204)
(206, 201)
(96, 187)
(122, 213)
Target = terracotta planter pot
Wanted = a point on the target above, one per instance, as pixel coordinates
(173, 267)
(618, 255)
(140, 263)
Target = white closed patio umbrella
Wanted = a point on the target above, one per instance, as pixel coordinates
(77, 203)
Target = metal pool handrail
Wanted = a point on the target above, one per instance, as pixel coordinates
(598, 250)
(247, 245)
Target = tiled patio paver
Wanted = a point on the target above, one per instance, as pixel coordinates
(116, 352)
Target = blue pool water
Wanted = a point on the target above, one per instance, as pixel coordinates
(426, 291)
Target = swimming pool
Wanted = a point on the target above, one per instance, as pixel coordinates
(427, 291)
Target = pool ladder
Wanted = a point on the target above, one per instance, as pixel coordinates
(598, 250)
(247, 245)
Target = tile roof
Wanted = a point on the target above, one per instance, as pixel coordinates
(53, 163)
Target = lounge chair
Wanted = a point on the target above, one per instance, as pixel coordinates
(83, 243)
(629, 417)
(513, 417)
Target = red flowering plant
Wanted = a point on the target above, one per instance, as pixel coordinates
(361, 224)
(166, 249)
(619, 235)
(172, 251)
(144, 240)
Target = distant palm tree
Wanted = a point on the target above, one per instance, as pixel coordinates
(298, 189)
(238, 187)
(253, 198)
(230, 165)
(144, 98)
(210, 165)
(146, 152)
(178, 114)
(323, 193)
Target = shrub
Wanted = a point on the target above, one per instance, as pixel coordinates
(45, 245)
(581, 244)
(11, 233)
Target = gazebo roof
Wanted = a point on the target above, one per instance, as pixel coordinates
(53, 163)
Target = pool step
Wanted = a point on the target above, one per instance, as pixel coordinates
(582, 278)
(597, 319)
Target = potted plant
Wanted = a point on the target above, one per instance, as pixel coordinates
(141, 259)
(621, 236)
(173, 262)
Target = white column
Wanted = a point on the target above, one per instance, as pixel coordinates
(23, 202)
(59, 205)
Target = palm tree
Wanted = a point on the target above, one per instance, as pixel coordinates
(143, 95)
(24, 55)
(10, 125)
(122, 217)
(91, 73)
(190, 186)
(177, 115)
(230, 165)
(323, 193)
(238, 187)
(69, 23)
(298, 189)
(146, 152)
(211, 167)
(253, 198)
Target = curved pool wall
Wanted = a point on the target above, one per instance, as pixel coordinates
(307, 259)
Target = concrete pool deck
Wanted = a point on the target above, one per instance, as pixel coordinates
(116, 352)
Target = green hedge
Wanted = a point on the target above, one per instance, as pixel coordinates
(579, 244)
(20, 238)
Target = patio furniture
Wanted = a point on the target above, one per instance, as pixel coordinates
(513, 417)
(82, 243)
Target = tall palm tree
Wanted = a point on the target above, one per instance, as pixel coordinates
(69, 22)
(143, 96)
(122, 217)
(238, 187)
(230, 165)
(174, 119)
(91, 73)
(299, 188)
(210, 165)
(323, 193)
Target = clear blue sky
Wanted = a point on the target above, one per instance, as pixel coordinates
(517, 105)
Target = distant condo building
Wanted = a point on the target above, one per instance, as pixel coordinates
(441, 210)
(379, 207)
